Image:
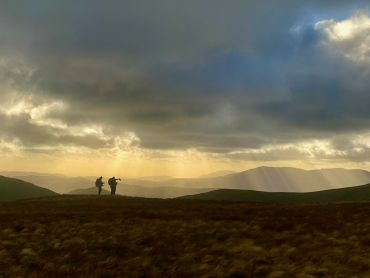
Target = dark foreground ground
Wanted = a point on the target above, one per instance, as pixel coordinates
(79, 236)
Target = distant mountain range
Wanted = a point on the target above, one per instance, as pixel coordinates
(86, 185)
(349, 194)
(280, 179)
(154, 178)
(13, 189)
(217, 174)
(267, 179)
(263, 184)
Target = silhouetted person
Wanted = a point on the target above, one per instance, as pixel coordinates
(99, 184)
(113, 185)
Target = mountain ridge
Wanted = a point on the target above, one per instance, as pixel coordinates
(264, 178)
(359, 193)
(286, 179)
(14, 189)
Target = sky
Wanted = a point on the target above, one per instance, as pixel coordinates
(183, 88)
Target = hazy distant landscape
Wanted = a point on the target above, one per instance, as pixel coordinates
(262, 179)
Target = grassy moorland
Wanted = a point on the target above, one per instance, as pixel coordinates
(90, 236)
(350, 194)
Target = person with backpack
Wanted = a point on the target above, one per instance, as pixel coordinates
(99, 184)
(113, 185)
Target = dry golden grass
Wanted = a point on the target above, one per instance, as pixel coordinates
(79, 236)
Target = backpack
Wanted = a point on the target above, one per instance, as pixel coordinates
(98, 183)
(112, 182)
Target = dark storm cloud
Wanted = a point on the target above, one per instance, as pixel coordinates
(32, 135)
(214, 75)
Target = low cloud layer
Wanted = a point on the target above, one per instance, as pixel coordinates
(237, 81)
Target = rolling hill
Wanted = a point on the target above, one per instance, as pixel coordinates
(67, 185)
(217, 174)
(13, 189)
(154, 178)
(139, 191)
(89, 191)
(267, 179)
(158, 192)
(149, 187)
(349, 194)
(57, 183)
(280, 179)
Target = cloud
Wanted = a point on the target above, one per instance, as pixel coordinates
(349, 38)
(234, 80)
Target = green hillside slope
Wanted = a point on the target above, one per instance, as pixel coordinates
(14, 189)
(350, 194)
